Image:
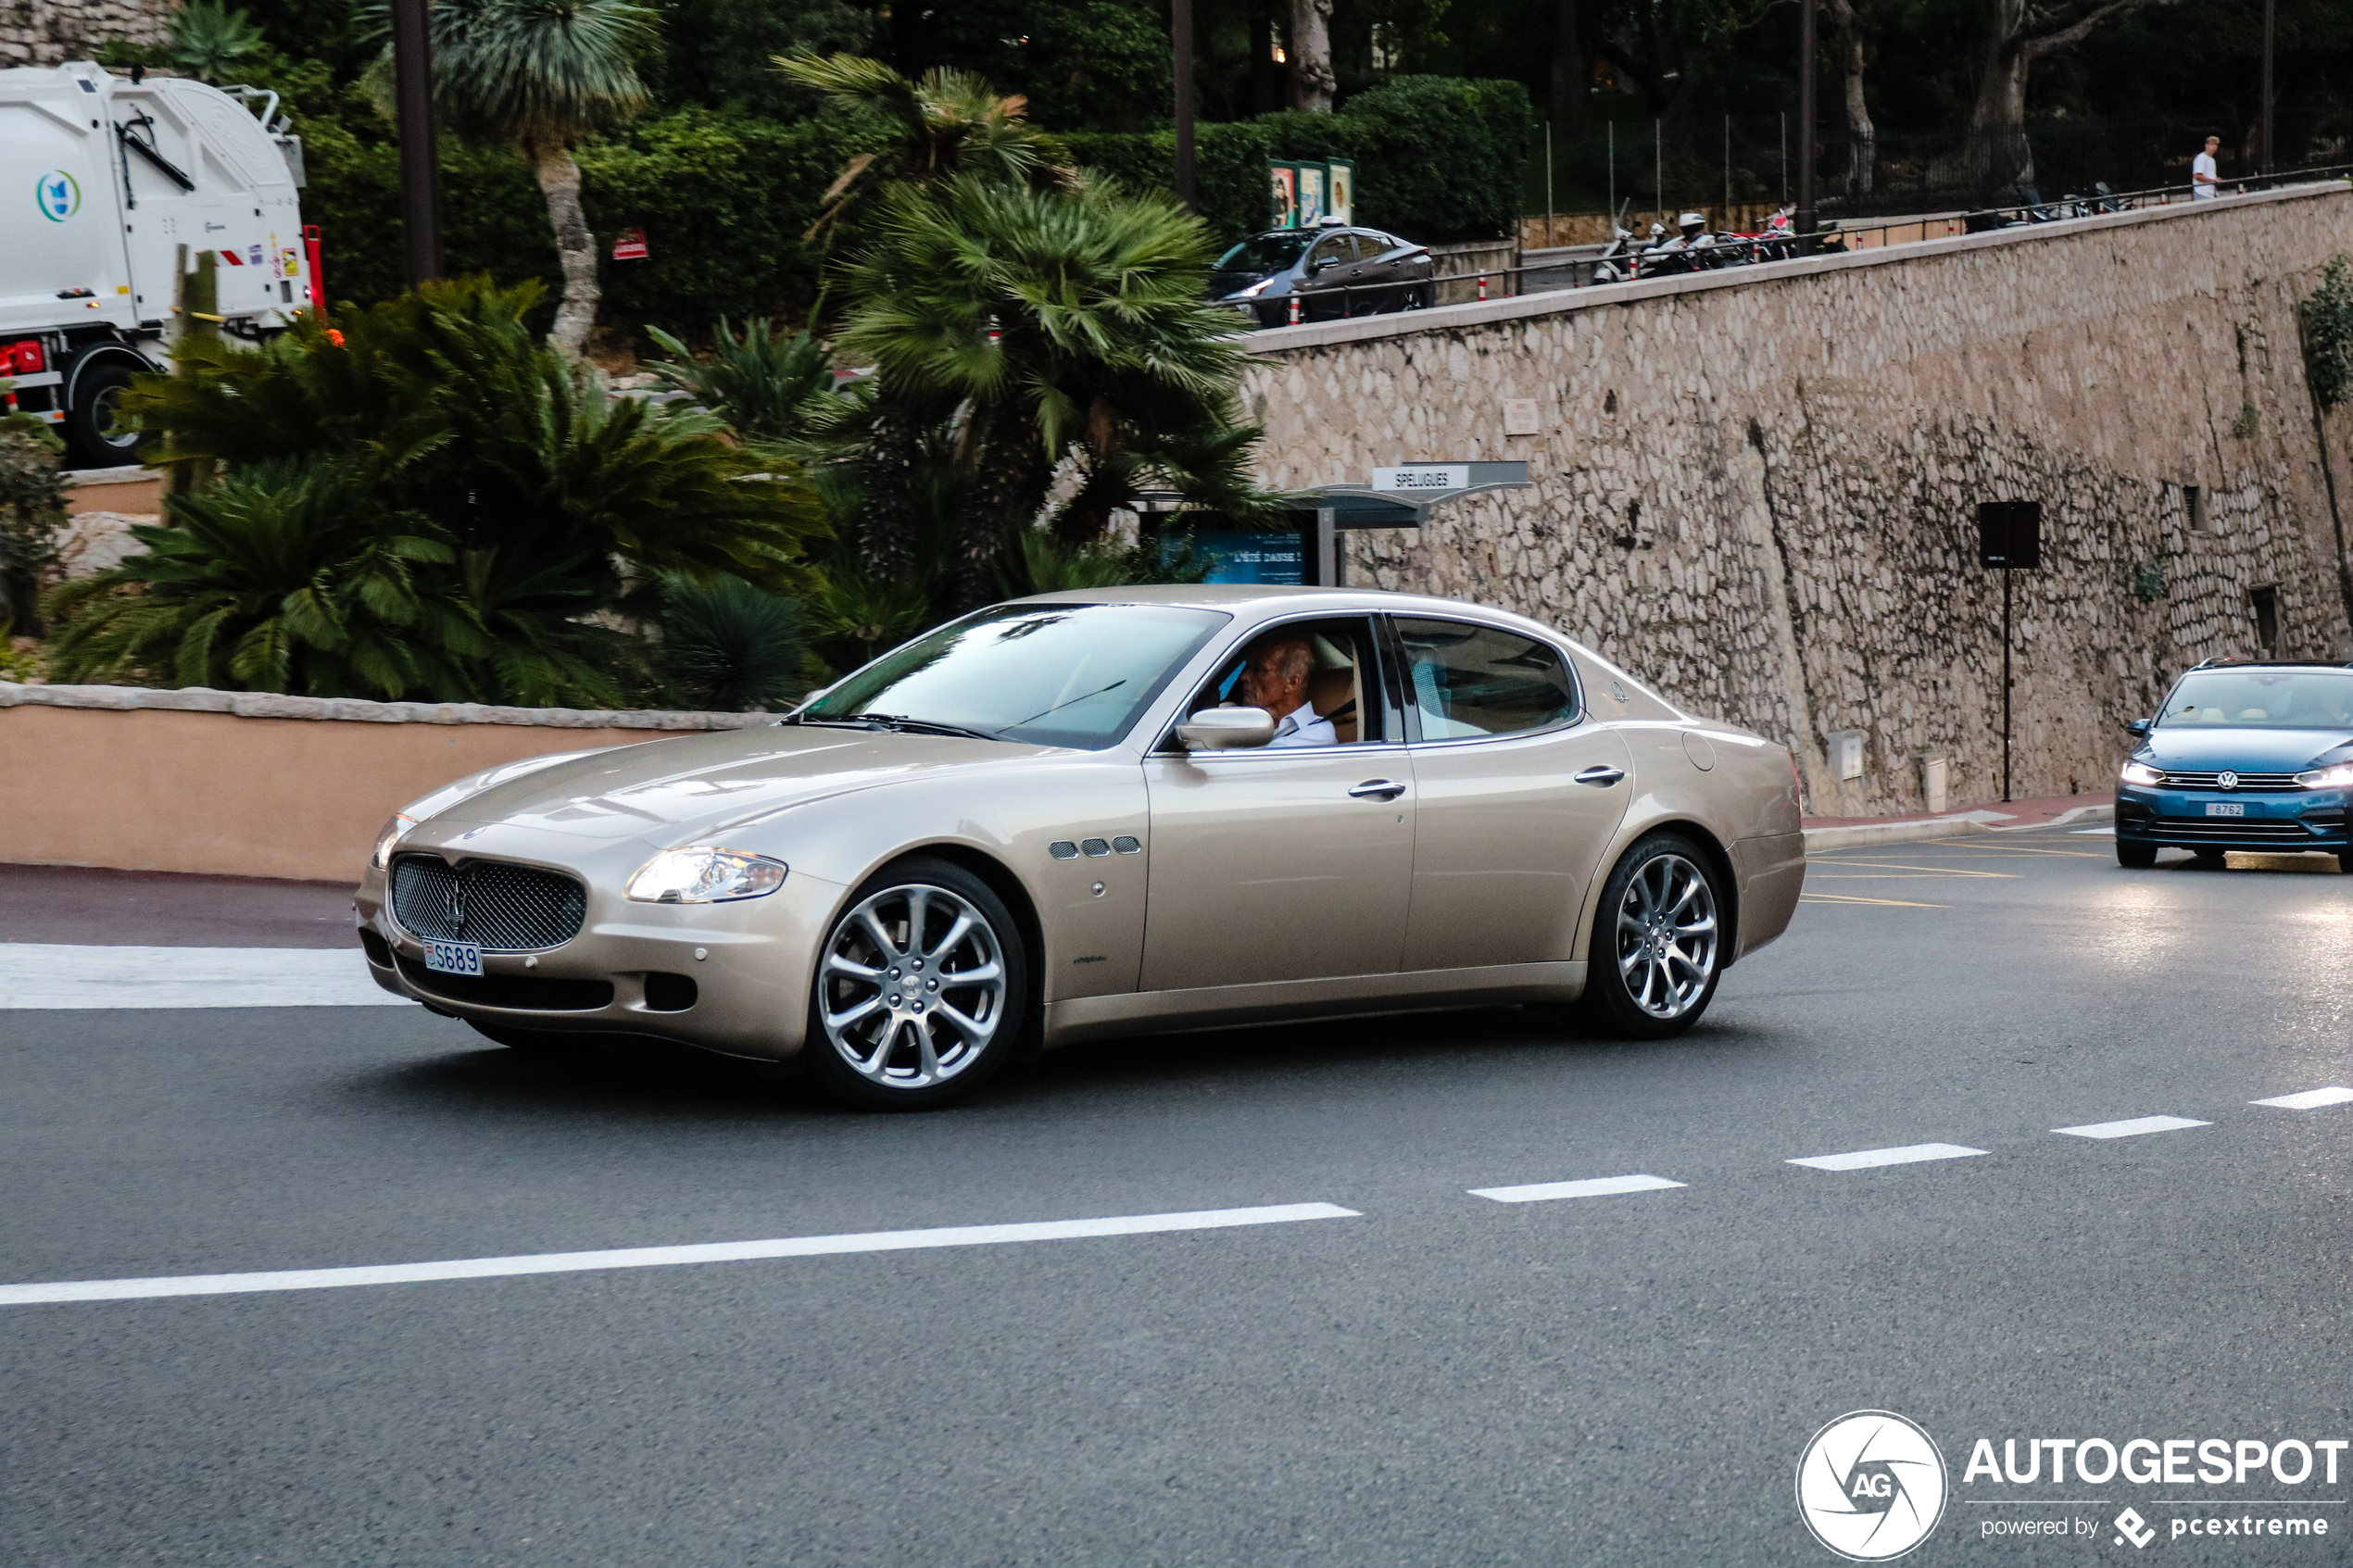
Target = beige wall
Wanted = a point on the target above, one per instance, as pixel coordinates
(149, 790)
(1758, 488)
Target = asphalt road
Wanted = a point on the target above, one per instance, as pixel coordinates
(1437, 1378)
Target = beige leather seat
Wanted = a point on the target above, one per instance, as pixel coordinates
(1333, 695)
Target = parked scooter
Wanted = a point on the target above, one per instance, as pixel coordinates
(1617, 263)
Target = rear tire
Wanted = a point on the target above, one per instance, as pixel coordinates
(2139, 857)
(1657, 950)
(91, 437)
(1417, 298)
(921, 991)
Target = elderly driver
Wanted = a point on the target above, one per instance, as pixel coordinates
(1275, 678)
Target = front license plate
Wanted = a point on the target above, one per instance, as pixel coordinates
(2218, 809)
(453, 958)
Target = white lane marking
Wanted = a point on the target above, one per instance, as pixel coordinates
(657, 1257)
(2095, 833)
(2310, 1099)
(2131, 1129)
(1600, 1186)
(45, 974)
(1864, 1158)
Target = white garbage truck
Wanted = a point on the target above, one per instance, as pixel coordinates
(109, 186)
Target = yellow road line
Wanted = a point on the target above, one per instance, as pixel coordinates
(1853, 899)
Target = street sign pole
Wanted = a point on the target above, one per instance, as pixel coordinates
(1806, 49)
(2006, 685)
(2009, 538)
(420, 170)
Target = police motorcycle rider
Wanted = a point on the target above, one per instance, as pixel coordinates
(1691, 250)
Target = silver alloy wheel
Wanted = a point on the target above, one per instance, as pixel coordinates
(911, 988)
(1666, 937)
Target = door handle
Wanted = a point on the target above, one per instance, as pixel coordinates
(1601, 775)
(1378, 789)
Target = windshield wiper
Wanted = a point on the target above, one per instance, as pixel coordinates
(899, 723)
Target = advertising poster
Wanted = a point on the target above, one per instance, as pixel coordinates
(1283, 196)
(1311, 204)
(1341, 199)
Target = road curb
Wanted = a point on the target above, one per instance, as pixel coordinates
(1919, 828)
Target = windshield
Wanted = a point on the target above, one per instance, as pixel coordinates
(2268, 700)
(1264, 252)
(1072, 675)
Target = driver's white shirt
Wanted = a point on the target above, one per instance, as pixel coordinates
(1303, 726)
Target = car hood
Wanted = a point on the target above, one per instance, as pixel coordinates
(670, 789)
(2249, 752)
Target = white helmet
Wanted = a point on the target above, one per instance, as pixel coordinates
(1692, 223)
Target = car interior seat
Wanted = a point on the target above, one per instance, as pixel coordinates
(1334, 691)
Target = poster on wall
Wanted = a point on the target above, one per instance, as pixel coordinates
(1283, 196)
(1313, 202)
(1340, 198)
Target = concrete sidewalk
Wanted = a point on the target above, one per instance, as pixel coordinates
(86, 906)
(2045, 812)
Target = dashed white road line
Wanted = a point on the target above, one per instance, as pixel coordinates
(658, 1257)
(1864, 1158)
(48, 974)
(1599, 1186)
(2131, 1129)
(2310, 1099)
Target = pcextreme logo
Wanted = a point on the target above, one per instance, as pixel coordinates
(1871, 1486)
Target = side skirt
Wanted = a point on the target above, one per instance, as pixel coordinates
(1225, 1007)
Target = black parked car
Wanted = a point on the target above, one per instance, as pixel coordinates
(1333, 272)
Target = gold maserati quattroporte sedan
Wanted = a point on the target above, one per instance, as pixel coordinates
(1101, 812)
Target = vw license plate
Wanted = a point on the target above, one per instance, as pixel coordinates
(453, 958)
(2220, 808)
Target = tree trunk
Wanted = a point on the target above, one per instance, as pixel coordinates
(887, 532)
(1311, 81)
(1569, 70)
(1008, 487)
(1862, 135)
(559, 182)
(1997, 154)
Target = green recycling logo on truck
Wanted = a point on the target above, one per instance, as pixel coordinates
(59, 194)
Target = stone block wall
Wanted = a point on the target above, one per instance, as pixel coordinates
(1758, 487)
(41, 32)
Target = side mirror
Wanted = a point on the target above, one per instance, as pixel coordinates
(2137, 726)
(1227, 729)
(1323, 264)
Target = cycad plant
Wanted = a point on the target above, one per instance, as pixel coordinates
(727, 647)
(288, 577)
(767, 383)
(538, 75)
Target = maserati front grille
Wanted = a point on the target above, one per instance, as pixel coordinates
(497, 905)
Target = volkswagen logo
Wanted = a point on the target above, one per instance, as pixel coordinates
(2227, 780)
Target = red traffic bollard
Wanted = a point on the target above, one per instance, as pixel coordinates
(1294, 310)
(1483, 285)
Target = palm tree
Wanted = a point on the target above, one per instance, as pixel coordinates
(538, 75)
(1045, 323)
(947, 124)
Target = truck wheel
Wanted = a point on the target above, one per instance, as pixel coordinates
(92, 439)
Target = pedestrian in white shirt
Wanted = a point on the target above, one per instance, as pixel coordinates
(2204, 181)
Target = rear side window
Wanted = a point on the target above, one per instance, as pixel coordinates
(1464, 680)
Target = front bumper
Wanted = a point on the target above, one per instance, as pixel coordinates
(2274, 824)
(750, 963)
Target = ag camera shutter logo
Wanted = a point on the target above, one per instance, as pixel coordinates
(1871, 1486)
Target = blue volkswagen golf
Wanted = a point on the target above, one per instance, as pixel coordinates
(2243, 756)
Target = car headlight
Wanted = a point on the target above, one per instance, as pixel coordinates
(2339, 776)
(2140, 773)
(705, 874)
(388, 838)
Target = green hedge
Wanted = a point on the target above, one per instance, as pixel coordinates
(1437, 158)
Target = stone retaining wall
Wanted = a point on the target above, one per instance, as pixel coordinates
(252, 784)
(41, 32)
(1758, 486)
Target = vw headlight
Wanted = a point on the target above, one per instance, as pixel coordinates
(2140, 773)
(388, 838)
(705, 874)
(2338, 776)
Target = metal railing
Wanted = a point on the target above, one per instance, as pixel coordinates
(1578, 267)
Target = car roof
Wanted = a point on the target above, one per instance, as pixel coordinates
(2228, 662)
(1254, 601)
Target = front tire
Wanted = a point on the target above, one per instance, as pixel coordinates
(2138, 857)
(921, 988)
(1657, 947)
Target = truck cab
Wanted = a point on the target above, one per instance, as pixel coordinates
(125, 182)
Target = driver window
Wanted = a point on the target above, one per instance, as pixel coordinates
(1322, 674)
(1465, 681)
(1331, 249)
